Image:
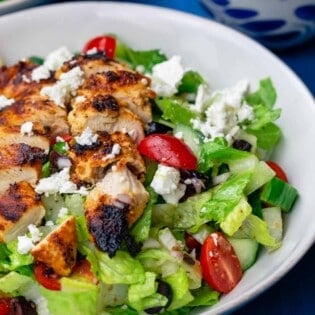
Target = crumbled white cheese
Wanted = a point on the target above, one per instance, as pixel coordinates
(166, 182)
(62, 212)
(224, 111)
(4, 102)
(65, 87)
(57, 57)
(166, 76)
(52, 63)
(87, 137)
(179, 135)
(59, 182)
(63, 162)
(40, 73)
(27, 128)
(24, 245)
(27, 243)
(26, 79)
(49, 223)
(80, 99)
(35, 233)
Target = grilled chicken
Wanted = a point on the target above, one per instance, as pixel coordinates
(49, 119)
(122, 120)
(19, 162)
(90, 163)
(129, 88)
(58, 250)
(19, 207)
(15, 81)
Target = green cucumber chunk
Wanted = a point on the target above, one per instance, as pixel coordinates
(273, 217)
(246, 250)
(277, 193)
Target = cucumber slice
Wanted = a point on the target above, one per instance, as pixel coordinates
(277, 193)
(248, 163)
(191, 137)
(246, 250)
(272, 216)
(261, 175)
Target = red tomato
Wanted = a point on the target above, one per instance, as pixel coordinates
(5, 306)
(82, 268)
(278, 170)
(219, 264)
(168, 150)
(102, 43)
(47, 277)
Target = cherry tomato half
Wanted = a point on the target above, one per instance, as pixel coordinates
(82, 268)
(220, 266)
(102, 43)
(278, 170)
(47, 277)
(5, 306)
(168, 150)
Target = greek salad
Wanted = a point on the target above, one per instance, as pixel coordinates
(215, 200)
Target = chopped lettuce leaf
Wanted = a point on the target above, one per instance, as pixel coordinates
(76, 297)
(257, 229)
(215, 152)
(225, 198)
(145, 58)
(176, 111)
(190, 82)
(235, 218)
(141, 229)
(179, 283)
(204, 296)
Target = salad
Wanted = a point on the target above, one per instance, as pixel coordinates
(201, 196)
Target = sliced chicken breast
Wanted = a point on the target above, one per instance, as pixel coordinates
(90, 162)
(20, 206)
(58, 250)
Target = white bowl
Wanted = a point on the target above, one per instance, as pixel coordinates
(223, 56)
(278, 24)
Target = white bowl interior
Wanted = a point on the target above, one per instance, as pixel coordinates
(223, 56)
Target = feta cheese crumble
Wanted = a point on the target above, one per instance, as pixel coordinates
(27, 129)
(27, 243)
(52, 63)
(224, 111)
(166, 76)
(59, 183)
(116, 148)
(166, 183)
(62, 212)
(4, 102)
(65, 87)
(87, 137)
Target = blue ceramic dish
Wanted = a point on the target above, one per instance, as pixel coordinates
(277, 24)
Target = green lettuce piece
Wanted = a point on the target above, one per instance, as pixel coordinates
(266, 94)
(216, 152)
(190, 82)
(225, 198)
(267, 136)
(179, 283)
(235, 218)
(12, 260)
(204, 296)
(143, 295)
(146, 58)
(75, 297)
(121, 268)
(176, 111)
(185, 215)
(257, 229)
(141, 228)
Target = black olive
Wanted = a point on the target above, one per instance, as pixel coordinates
(195, 182)
(155, 127)
(21, 306)
(164, 289)
(242, 145)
